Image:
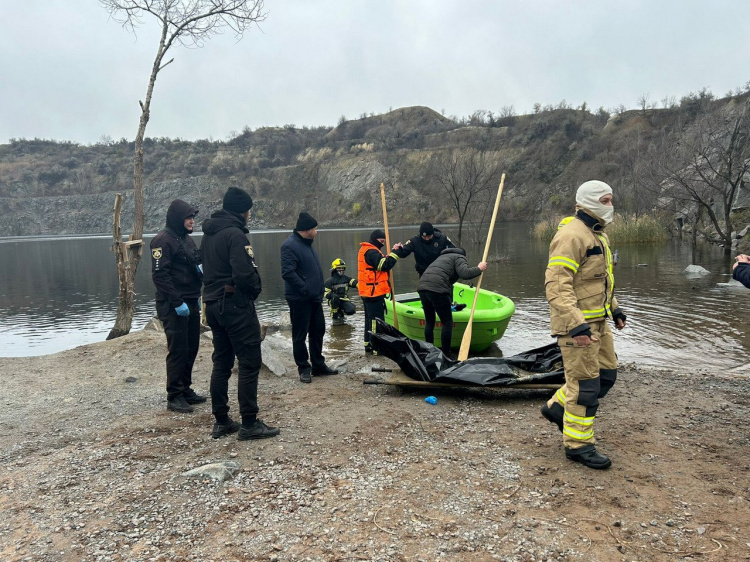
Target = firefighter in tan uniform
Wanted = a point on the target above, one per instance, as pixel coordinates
(579, 283)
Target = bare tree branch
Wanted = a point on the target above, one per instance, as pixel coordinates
(188, 23)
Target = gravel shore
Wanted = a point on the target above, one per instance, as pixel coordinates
(94, 468)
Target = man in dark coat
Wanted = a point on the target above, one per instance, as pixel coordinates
(232, 284)
(741, 269)
(303, 290)
(175, 270)
(426, 246)
(435, 290)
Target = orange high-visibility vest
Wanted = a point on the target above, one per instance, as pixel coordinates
(370, 281)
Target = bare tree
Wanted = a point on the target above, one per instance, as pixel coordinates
(707, 168)
(464, 175)
(183, 22)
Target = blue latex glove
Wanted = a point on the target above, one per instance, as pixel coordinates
(182, 310)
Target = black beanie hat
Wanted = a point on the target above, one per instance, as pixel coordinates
(237, 200)
(426, 229)
(379, 233)
(305, 222)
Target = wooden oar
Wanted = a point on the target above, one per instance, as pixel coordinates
(388, 249)
(463, 353)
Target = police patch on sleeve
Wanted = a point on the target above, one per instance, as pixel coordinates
(156, 253)
(249, 250)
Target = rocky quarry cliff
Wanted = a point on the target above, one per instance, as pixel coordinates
(51, 188)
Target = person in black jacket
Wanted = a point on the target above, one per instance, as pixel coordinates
(175, 270)
(435, 290)
(303, 290)
(231, 285)
(741, 269)
(426, 246)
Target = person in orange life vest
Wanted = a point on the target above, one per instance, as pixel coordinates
(373, 279)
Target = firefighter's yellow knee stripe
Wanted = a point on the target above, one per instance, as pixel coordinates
(560, 395)
(578, 419)
(580, 436)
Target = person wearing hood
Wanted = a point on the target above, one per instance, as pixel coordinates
(579, 283)
(176, 273)
(373, 279)
(231, 286)
(435, 290)
(303, 291)
(426, 246)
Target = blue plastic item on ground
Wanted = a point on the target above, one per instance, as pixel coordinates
(431, 400)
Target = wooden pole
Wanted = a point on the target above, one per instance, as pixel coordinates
(388, 249)
(463, 353)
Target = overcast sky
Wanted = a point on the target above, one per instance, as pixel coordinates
(69, 72)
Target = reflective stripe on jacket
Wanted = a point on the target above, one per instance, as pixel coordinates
(579, 280)
(371, 281)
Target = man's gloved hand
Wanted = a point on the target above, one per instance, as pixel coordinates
(620, 318)
(182, 310)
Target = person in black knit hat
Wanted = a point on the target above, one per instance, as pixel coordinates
(373, 279)
(426, 246)
(303, 290)
(231, 286)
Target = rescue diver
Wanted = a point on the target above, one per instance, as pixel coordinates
(579, 284)
(337, 292)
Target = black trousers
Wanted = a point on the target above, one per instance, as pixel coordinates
(340, 305)
(439, 303)
(374, 308)
(308, 322)
(183, 338)
(236, 333)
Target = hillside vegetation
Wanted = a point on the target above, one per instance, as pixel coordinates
(50, 187)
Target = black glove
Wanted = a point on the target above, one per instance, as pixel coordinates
(619, 315)
(582, 330)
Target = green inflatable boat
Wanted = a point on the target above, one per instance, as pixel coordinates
(490, 318)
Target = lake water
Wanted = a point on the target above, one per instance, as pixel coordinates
(58, 293)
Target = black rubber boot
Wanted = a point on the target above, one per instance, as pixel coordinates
(588, 456)
(554, 414)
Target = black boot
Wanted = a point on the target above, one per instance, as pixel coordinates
(324, 370)
(179, 404)
(221, 429)
(588, 456)
(305, 375)
(554, 414)
(258, 430)
(192, 397)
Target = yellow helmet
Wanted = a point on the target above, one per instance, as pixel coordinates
(338, 263)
